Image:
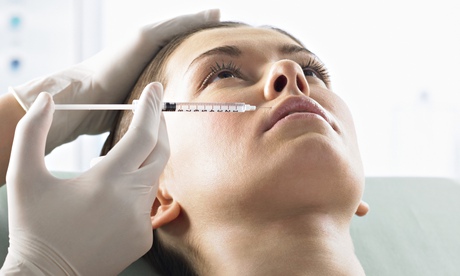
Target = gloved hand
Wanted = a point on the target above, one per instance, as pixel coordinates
(105, 78)
(97, 223)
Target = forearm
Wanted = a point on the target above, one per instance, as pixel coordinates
(10, 114)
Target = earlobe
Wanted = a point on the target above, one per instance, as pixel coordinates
(164, 209)
(363, 209)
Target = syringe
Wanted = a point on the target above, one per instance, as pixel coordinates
(167, 106)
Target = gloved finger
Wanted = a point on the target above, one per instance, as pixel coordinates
(28, 150)
(157, 159)
(147, 177)
(140, 139)
(160, 33)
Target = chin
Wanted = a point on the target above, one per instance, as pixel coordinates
(316, 173)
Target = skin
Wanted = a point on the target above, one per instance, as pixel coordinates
(244, 200)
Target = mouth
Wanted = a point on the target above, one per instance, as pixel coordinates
(295, 105)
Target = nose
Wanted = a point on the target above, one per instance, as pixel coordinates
(285, 77)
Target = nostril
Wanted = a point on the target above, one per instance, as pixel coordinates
(299, 84)
(280, 83)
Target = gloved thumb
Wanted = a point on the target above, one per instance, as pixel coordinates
(142, 134)
(28, 150)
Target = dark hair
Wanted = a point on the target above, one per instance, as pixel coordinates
(165, 259)
(168, 261)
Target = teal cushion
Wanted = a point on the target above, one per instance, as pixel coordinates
(413, 227)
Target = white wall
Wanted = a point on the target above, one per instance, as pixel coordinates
(45, 36)
(396, 63)
(28, 34)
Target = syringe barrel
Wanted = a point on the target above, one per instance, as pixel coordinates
(204, 107)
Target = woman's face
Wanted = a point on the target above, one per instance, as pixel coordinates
(299, 153)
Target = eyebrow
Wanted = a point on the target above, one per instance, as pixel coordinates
(227, 50)
(293, 49)
(234, 51)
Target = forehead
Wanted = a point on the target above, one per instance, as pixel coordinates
(248, 39)
(249, 36)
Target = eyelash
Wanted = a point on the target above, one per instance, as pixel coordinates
(219, 67)
(313, 64)
(318, 68)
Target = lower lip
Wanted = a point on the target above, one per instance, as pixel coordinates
(297, 117)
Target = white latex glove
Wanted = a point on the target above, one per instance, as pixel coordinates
(105, 78)
(95, 224)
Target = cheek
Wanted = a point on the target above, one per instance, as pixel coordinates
(349, 129)
(343, 115)
(202, 147)
(198, 132)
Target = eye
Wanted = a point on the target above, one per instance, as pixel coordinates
(308, 72)
(316, 69)
(221, 71)
(222, 75)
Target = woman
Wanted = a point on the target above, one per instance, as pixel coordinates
(270, 192)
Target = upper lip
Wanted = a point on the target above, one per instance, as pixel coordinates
(297, 104)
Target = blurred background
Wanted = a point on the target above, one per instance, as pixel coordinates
(396, 64)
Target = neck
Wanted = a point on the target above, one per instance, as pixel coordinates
(313, 245)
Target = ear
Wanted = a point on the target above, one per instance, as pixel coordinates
(362, 209)
(164, 209)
